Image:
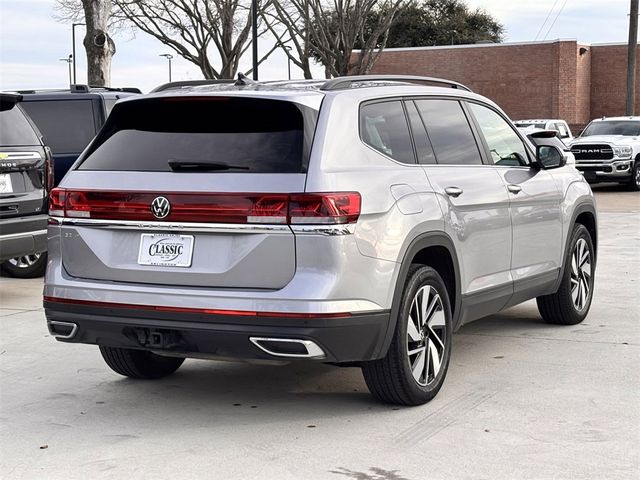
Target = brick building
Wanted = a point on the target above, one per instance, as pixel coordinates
(552, 79)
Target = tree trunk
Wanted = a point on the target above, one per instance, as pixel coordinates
(98, 44)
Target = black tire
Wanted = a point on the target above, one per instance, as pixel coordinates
(560, 308)
(139, 363)
(390, 379)
(634, 181)
(22, 267)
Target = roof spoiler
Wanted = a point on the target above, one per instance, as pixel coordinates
(9, 100)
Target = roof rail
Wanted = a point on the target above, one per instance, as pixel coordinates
(188, 83)
(341, 83)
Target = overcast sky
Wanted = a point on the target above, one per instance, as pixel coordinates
(32, 42)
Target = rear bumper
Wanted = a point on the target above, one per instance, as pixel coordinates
(23, 236)
(354, 338)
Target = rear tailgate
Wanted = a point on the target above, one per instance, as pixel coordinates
(184, 191)
(22, 165)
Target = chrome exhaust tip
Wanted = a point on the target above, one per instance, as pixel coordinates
(288, 347)
(62, 330)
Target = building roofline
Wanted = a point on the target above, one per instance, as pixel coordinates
(477, 45)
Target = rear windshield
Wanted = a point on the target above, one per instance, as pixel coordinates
(613, 127)
(66, 125)
(15, 129)
(221, 134)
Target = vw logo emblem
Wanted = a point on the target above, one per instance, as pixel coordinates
(160, 207)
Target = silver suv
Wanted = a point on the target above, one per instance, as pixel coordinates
(358, 221)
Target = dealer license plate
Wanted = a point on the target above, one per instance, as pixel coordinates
(165, 249)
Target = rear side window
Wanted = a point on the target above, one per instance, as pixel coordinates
(420, 137)
(451, 136)
(66, 125)
(219, 134)
(15, 129)
(383, 126)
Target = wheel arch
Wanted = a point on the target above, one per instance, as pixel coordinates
(436, 250)
(584, 214)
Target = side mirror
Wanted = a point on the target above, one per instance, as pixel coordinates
(548, 156)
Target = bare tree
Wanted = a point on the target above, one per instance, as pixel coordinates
(192, 27)
(98, 44)
(329, 30)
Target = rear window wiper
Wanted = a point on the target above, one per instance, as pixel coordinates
(193, 166)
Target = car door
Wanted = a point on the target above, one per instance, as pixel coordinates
(534, 200)
(473, 198)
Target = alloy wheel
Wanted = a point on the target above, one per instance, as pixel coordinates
(426, 335)
(580, 274)
(25, 261)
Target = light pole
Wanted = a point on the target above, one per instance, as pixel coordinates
(254, 37)
(69, 61)
(73, 48)
(168, 56)
(288, 49)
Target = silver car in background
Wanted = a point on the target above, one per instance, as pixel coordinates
(358, 221)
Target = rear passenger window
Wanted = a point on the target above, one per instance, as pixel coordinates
(383, 126)
(451, 136)
(67, 126)
(420, 137)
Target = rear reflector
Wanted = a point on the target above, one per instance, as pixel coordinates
(279, 208)
(202, 311)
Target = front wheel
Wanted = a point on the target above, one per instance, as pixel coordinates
(139, 363)
(571, 303)
(416, 364)
(26, 266)
(634, 181)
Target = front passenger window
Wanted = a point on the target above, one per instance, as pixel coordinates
(505, 146)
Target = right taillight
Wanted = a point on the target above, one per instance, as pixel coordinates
(280, 208)
(310, 208)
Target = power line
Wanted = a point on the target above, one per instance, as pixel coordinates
(555, 19)
(545, 20)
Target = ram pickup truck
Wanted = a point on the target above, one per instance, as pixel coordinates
(608, 150)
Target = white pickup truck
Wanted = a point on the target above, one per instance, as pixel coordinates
(608, 150)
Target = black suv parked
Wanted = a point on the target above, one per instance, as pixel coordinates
(70, 118)
(25, 176)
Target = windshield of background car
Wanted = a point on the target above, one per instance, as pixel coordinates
(15, 129)
(248, 135)
(614, 127)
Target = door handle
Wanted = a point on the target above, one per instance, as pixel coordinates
(514, 188)
(454, 192)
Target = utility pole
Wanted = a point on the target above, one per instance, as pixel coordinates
(631, 58)
(254, 37)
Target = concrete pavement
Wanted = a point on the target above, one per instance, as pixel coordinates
(522, 400)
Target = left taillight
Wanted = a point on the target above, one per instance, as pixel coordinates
(57, 198)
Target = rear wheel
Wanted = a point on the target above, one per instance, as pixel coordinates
(571, 303)
(26, 266)
(139, 363)
(416, 364)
